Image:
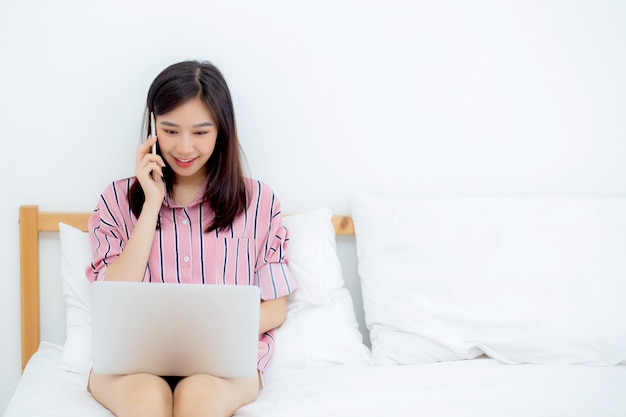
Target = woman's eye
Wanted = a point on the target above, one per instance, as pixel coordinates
(201, 133)
(169, 132)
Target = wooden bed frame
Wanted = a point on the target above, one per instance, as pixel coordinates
(32, 222)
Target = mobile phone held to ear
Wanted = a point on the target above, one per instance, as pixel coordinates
(153, 134)
(153, 131)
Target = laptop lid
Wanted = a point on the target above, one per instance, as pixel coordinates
(175, 329)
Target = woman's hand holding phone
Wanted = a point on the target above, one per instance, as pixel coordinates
(149, 171)
(130, 265)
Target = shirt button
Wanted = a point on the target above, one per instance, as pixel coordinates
(185, 222)
(186, 259)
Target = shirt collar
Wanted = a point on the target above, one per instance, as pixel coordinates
(168, 201)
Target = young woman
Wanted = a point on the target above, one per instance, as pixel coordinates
(190, 216)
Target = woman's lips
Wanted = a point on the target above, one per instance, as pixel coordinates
(184, 163)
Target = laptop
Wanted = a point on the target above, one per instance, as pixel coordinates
(175, 329)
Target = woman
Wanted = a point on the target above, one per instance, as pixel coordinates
(190, 216)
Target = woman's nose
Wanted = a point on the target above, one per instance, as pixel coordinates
(185, 144)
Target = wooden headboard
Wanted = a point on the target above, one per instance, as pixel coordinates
(32, 222)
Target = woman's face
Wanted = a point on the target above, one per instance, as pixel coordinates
(186, 137)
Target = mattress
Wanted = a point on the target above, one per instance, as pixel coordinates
(480, 387)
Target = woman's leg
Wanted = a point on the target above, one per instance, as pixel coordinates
(210, 396)
(132, 395)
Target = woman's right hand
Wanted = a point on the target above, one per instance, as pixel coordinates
(149, 173)
(130, 265)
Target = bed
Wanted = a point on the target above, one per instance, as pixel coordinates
(474, 307)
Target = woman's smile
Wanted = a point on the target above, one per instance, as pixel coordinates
(184, 163)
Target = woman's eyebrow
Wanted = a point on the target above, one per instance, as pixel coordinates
(170, 124)
(204, 124)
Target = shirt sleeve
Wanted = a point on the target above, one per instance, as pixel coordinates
(107, 232)
(273, 275)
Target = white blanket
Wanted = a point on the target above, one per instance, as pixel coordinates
(481, 387)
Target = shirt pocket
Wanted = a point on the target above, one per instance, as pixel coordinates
(234, 261)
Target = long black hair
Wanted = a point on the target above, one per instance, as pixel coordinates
(225, 190)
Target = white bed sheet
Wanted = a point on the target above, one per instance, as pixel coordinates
(44, 390)
(481, 387)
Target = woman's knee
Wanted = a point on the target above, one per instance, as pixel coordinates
(213, 395)
(133, 395)
(195, 392)
(153, 390)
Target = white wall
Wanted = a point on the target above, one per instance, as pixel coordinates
(434, 98)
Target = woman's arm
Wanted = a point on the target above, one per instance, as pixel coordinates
(273, 314)
(130, 265)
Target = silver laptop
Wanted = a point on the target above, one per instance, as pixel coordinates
(175, 329)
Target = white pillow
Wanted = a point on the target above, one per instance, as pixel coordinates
(312, 254)
(318, 335)
(320, 328)
(76, 254)
(535, 280)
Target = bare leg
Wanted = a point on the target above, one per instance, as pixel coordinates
(132, 395)
(210, 396)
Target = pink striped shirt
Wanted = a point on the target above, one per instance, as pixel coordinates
(250, 252)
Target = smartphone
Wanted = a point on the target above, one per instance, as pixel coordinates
(153, 131)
